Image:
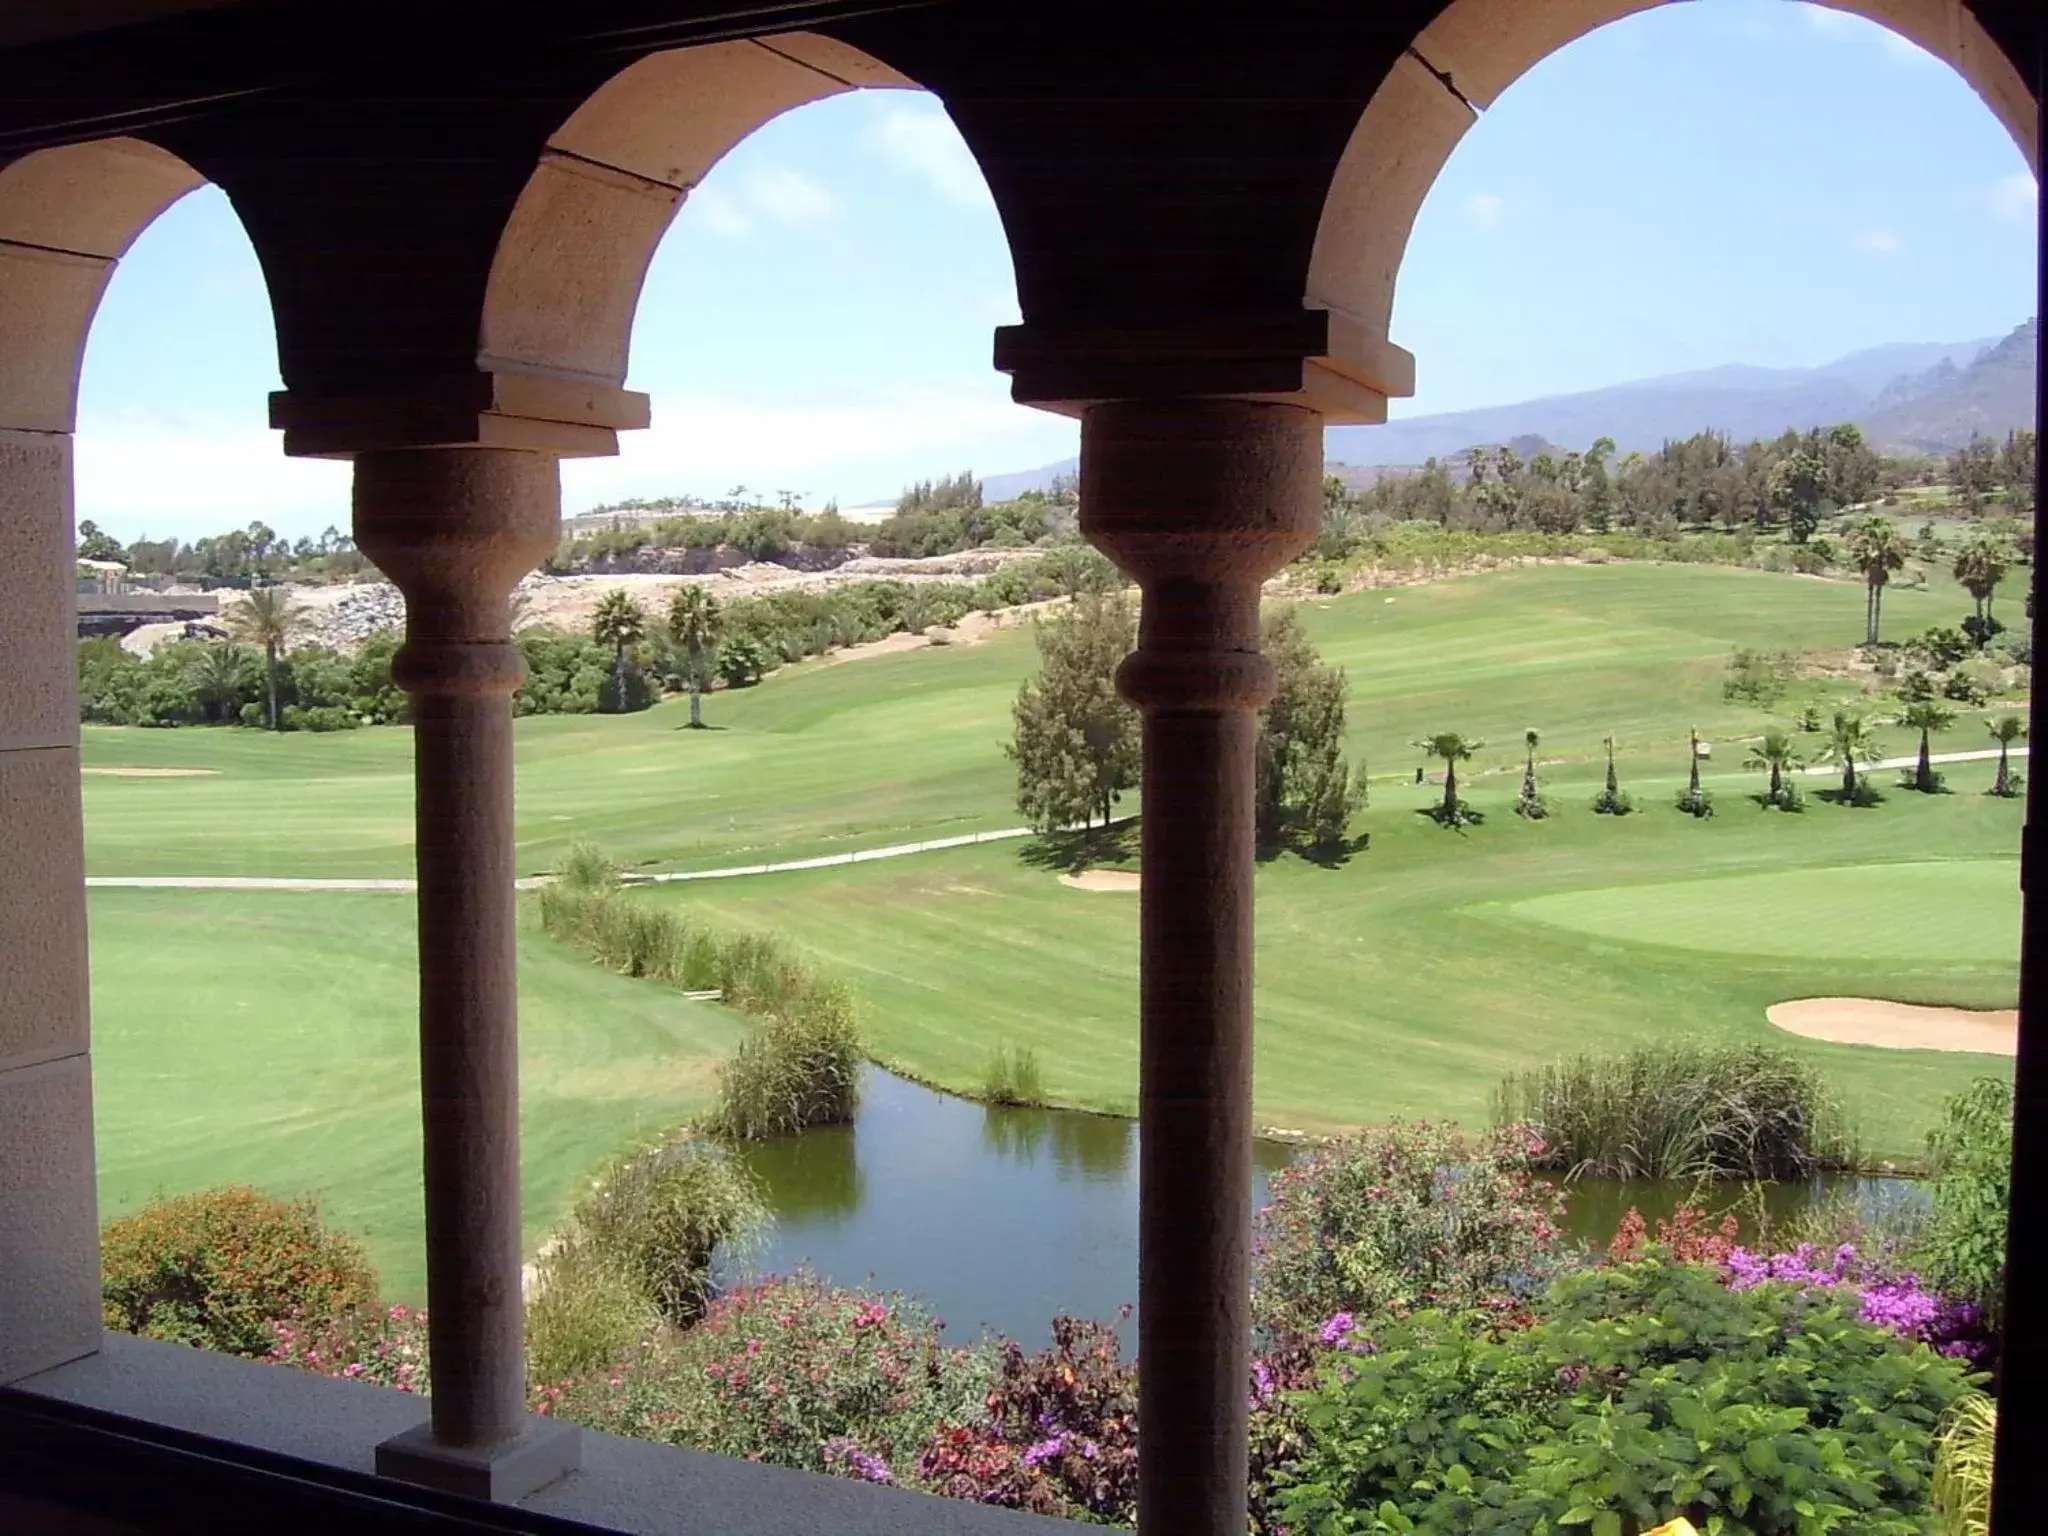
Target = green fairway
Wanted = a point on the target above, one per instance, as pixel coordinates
(1965, 910)
(829, 758)
(272, 1040)
(1407, 981)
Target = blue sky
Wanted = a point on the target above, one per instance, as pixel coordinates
(1724, 181)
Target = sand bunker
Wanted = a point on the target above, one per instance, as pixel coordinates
(154, 773)
(1899, 1026)
(1102, 880)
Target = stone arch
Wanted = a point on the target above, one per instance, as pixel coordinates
(1475, 49)
(566, 279)
(67, 215)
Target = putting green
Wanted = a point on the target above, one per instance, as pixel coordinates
(1956, 910)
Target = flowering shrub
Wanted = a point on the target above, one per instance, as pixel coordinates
(1058, 1435)
(789, 1371)
(385, 1345)
(217, 1269)
(1641, 1392)
(1897, 1301)
(1686, 1237)
(1400, 1218)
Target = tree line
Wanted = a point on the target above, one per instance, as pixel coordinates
(1786, 485)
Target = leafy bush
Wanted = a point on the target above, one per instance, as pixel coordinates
(1680, 1112)
(1939, 648)
(1403, 1217)
(794, 1373)
(1969, 1151)
(656, 1215)
(1758, 677)
(1642, 1393)
(1881, 1294)
(219, 1268)
(1057, 1435)
(1012, 1076)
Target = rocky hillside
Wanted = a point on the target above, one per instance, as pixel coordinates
(1938, 408)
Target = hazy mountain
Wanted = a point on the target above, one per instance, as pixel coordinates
(1910, 397)
(1939, 407)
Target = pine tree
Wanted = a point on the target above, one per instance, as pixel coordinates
(1076, 742)
(1306, 790)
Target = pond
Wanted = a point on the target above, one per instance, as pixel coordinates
(1003, 1218)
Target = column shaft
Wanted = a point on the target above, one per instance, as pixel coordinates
(469, 1064)
(1199, 500)
(455, 529)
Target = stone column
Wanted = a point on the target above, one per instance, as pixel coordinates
(1199, 501)
(49, 1234)
(455, 529)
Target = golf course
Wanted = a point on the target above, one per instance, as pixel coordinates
(267, 1037)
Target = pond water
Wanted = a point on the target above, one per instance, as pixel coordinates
(1002, 1218)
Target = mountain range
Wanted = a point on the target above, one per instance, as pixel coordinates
(1909, 397)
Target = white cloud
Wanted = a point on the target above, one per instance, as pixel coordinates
(1484, 210)
(789, 197)
(162, 473)
(705, 443)
(1880, 242)
(718, 212)
(924, 142)
(2014, 199)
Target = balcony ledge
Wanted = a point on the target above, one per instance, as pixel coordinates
(316, 1431)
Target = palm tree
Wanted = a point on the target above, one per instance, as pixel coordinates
(1777, 753)
(1926, 717)
(620, 623)
(1980, 566)
(1877, 549)
(2005, 730)
(216, 677)
(1848, 744)
(267, 617)
(1453, 749)
(696, 624)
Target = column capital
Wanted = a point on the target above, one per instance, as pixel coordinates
(493, 407)
(1319, 358)
(455, 529)
(1200, 500)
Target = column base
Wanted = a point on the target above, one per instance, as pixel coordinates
(543, 1452)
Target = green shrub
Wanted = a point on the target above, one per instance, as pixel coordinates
(796, 1069)
(794, 1373)
(585, 868)
(583, 1313)
(1012, 1076)
(1402, 1217)
(1644, 1392)
(1969, 1152)
(1758, 677)
(1680, 1112)
(1962, 1466)
(655, 1217)
(799, 1067)
(222, 1268)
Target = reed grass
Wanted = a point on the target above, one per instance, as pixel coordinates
(1012, 1076)
(1962, 1466)
(798, 1067)
(1681, 1112)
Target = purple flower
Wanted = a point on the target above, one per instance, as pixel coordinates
(842, 1455)
(1262, 1381)
(1044, 1451)
(1337, 1329)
